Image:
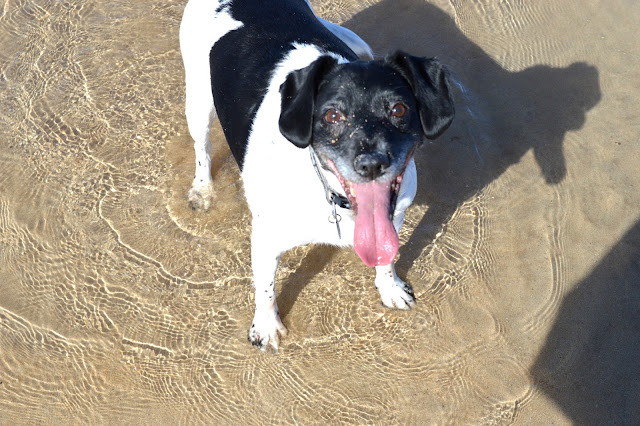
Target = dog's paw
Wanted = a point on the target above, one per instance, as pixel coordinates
(200, 197)
(396, 294)
(265, 331)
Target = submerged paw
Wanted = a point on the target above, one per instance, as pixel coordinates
(200, 197)
(268, 335)
(398, 295)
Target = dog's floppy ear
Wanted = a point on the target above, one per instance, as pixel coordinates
(430, 86)
(298, 100)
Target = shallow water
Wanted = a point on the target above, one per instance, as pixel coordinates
(118, 303)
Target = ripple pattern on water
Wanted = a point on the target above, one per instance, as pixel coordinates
(118, 304)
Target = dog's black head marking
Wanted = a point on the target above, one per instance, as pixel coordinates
(425, 77)
(365, 118)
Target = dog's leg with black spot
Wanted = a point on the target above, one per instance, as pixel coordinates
(200, 115)
(394, 292)
(199, 106)
(266, 326)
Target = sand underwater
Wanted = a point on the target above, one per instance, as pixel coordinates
(118, 304)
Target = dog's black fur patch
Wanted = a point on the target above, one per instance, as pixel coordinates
(364, 94)
(243, 60)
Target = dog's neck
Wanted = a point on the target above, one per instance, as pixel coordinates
(333, 197)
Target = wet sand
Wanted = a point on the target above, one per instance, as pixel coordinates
(119, 304)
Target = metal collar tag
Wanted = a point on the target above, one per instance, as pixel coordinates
(333, 198)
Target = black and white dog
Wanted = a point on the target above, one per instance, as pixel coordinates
(304, 116)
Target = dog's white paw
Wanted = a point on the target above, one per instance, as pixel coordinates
(200, 196)
(266, 330)
(395, 293)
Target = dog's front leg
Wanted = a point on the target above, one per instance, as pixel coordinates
(266, 321)
(394, 292)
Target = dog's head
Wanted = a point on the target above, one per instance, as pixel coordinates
(364, 120)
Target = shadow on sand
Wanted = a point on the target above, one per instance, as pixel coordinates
(590, 363)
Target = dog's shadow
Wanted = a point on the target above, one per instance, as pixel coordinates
(500, 116)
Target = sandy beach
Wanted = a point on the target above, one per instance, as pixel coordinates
(119, 304)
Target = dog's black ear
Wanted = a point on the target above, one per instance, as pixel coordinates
(298, 94)
(430, 86)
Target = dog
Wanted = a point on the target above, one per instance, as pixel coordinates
(324, 140)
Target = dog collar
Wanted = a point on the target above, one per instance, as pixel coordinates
(333, 198)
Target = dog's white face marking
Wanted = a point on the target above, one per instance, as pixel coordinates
(266, 142)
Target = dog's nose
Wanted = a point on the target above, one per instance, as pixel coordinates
(371, 165)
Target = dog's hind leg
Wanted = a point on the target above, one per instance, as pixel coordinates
(199, 107)
(200, 115)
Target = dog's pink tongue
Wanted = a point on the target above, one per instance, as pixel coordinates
(375, 239)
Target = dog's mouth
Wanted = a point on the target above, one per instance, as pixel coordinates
(375, 238)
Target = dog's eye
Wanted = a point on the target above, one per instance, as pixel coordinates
(398, 110)
(332, 116)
